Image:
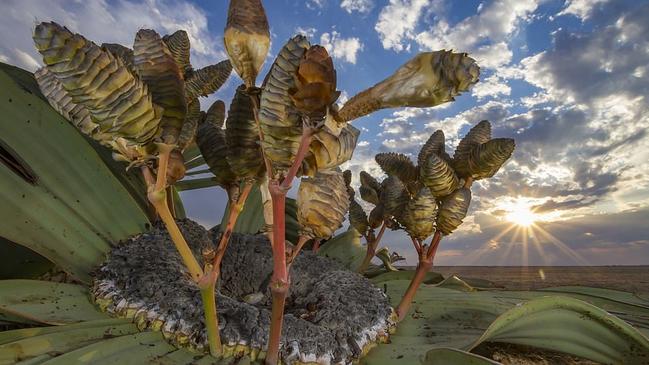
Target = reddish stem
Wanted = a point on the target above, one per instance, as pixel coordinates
(423, 267)
(305, 141)
(296, 250)
(235, 210)
(417, 245)
(279, 282)
(372, 244)
(316, 246)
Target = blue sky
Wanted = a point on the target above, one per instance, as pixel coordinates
(567, 79)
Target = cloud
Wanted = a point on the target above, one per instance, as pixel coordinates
(345, 49)
(309, 32)
(582, 9)
(361, 6)
(103, 21)
(316, 4)
(397, 22)
(484, 34)
(490, 87)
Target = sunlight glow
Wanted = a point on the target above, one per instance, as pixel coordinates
(520, 214)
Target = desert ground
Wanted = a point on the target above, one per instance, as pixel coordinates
(627, 278)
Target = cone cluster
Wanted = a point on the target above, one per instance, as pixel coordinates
(127, 99)
(434, 194)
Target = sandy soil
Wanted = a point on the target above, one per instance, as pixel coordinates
(627, 278)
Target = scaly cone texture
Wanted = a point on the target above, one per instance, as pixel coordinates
(125, 54)
(157, 68)
(61, 102)
(190, 126)
(328, 150)
(242, 137)
(315, 89)
(394, 197)
(434, 145)
(322, 202)
(400, 166)
(179, 46)
(117, 100)
(207, 80)
(370, 188)
(280, 122)
(80, 117)
(428, 79)
(357, 216)
(376, 217)
(479, 134)
(452, 211)
(486, 159)
(419, 216)
(210, 139)
(247, 38)
(438, 176)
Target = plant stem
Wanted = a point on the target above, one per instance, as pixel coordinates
(208, 295)
(157, 194)
(235, 210)
(372, 244)
(296, 250)
(423, 267)
(280, 282)
(158, 197)
(316, 246)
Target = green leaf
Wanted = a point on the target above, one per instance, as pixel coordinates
(179, 208)
(449, 356)
(292, 226)
(571, 326)
(60, 199)
(610, 294)
(195, 162)
(191, 152)
(455, 283)
(46, 302)
(193, 184)
(23, 333)
(19, 262)
(345, 248)
(251, 218)
(198, 172)
(139, 348)
(63, 340)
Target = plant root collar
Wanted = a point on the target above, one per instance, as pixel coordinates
(333, 316)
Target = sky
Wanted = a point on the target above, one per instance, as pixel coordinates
(567, 79)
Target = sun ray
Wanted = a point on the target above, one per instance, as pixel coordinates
(563, 247)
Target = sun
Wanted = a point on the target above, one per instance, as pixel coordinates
(520, 214)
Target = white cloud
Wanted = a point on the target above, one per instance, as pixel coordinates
(361, 6)
(316, 4)
(104, 21)
(26, 59)
(582, 9)
(493, 25)
(345, 49)
(491, 86)
(397, 22)
(492, 55)
(309, 32)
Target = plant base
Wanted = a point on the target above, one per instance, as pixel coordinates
(145, 279)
